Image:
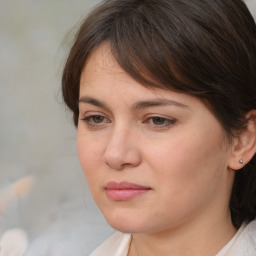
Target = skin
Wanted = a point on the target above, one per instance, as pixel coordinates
(178, 150)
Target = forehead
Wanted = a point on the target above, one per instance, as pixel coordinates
(105, 81)
(102, 72)
(101, 59)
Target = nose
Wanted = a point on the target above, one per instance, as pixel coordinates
(122, 150)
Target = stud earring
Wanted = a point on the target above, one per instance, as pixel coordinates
(241, 161)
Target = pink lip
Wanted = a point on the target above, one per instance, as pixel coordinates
(124, 191)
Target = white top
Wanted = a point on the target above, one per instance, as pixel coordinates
(242, 244)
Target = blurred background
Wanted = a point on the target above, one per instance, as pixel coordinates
(42, 188)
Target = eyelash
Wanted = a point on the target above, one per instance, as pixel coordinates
(166, 122)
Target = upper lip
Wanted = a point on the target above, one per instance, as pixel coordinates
(124, 185)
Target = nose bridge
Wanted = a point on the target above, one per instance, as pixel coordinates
(122, 150)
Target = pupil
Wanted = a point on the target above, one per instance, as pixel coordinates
(97, 119)
(158, 120)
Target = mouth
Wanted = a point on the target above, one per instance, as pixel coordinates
(124, 191)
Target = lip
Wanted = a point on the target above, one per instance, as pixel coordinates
(124, 191)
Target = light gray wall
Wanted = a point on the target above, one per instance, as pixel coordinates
(37, 137)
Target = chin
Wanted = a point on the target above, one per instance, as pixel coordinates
(126, 223)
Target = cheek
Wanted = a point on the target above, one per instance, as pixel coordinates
(187, 176)
(189, 162)
(89, 153)
(90, 160)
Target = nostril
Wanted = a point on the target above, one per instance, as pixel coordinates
(125, 159)
(114, 162)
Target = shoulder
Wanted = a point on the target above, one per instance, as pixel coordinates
(245, 242)
(251, 232)
(116, 245)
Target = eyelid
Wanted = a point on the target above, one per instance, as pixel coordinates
(168, 121)
(85, 114)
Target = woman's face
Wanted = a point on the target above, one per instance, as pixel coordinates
(154, 159)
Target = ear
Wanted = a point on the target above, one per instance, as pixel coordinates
(244, 146)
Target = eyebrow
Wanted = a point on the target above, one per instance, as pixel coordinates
(158, 103)
(138, 105)
(92, 101)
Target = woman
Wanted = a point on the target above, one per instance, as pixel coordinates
(163, 94)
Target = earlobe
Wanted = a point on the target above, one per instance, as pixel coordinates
(244, 146)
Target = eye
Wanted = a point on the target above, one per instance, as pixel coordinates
(160, 122)
(97, 119)
(94, 120)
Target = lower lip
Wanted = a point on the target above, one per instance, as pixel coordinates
(124, 194)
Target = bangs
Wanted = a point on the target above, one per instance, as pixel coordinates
(155, 52)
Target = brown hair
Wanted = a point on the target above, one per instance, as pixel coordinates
(206, 48)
